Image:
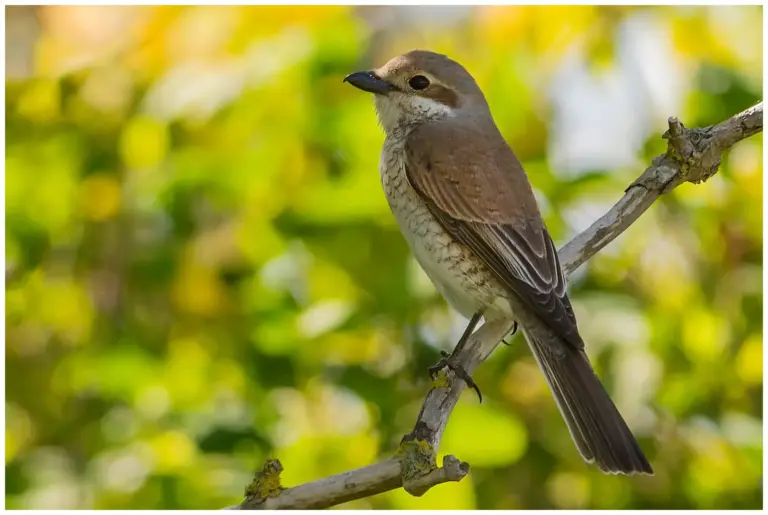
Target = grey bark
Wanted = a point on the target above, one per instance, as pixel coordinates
(693, 155)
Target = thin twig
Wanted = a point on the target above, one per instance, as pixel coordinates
(693, 155)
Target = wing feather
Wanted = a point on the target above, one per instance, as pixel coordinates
(479, 193)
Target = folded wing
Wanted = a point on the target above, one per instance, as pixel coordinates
(480, 195)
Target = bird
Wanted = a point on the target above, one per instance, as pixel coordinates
(467, 210)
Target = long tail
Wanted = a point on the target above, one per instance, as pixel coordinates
(596, 426)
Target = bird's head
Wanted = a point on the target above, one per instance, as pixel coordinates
(419, 86)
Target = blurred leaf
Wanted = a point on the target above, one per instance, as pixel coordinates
(484, 436)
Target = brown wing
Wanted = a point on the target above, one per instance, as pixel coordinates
(476, 188)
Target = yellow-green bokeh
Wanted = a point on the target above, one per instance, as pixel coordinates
(202, 271)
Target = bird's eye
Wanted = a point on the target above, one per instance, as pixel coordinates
(418, 82)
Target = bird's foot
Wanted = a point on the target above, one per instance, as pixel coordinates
(514, 331)
(451, 362)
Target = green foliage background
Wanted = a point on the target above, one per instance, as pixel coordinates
(202, 271)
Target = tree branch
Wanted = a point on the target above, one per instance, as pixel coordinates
(693, 155)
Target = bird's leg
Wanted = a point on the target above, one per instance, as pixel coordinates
(450, 360)
(514, 331)
(467, 332)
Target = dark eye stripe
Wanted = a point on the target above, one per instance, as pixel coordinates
(418, 82)
(443, 95)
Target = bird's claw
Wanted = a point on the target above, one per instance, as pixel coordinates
(450, 362)
(514, 331)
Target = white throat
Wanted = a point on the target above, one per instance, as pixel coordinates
(398, 111)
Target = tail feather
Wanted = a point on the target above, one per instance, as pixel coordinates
(596, 426)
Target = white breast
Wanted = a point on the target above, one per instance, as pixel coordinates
(459, 278)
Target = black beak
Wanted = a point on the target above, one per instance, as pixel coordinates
(369, 81)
